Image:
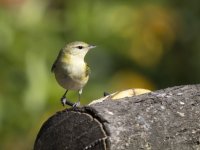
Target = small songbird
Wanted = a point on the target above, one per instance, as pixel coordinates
(70, 69)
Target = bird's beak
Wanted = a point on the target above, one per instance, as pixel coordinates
(91, 46)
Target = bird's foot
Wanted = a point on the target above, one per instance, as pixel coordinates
(76, 104)
(64, 102)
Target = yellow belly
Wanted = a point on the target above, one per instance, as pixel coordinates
(69, 81)
(71, 72)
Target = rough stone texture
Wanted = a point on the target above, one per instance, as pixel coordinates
(167, 119)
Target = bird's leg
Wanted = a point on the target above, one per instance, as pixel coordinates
(64, 100)
(79, 99)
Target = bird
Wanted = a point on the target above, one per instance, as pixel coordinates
(70, 69)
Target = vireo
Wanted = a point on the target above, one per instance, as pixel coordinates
(70, 69)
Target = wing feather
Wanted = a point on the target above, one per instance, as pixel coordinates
(56, 61)
(88, 71)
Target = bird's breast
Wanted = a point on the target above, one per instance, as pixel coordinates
(75, 69)
(71, 74)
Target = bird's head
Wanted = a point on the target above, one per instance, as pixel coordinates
(78, 49)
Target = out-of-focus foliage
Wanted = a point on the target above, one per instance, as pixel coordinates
(141, 44)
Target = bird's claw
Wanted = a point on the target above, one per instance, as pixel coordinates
(76, 104)
(63, 101)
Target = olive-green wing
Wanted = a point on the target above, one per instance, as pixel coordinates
(54, 64)
(88, 71)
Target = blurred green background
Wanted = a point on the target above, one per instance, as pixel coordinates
(141, 44)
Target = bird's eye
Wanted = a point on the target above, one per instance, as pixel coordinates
(80, 47)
